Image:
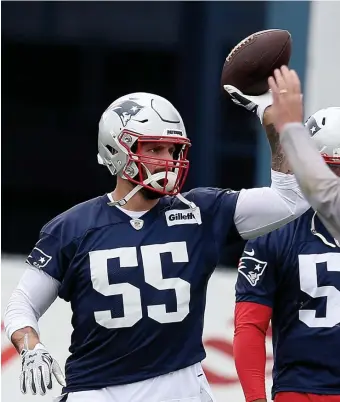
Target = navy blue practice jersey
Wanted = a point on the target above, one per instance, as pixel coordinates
(295, 273)
(137, 288)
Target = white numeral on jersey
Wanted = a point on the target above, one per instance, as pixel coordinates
(151, 256)
(309, 285)
(131, 294)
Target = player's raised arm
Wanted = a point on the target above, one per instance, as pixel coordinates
(261, 210)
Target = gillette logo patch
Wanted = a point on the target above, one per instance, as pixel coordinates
(181, 217)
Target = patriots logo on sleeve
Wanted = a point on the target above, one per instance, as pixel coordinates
(38, 258)
(251, 268)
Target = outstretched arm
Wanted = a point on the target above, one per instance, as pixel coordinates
(261, 210)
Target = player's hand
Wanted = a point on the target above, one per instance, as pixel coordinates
(256, 104)
(287, 98)
(37, 369)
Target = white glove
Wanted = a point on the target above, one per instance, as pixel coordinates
(37, 369)
(256, 104)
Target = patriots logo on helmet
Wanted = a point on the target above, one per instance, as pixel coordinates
(38, 258)
(312, 125)
(252, 269)
(126, 110)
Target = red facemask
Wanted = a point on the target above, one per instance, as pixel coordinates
(331, 160)
(169, 175)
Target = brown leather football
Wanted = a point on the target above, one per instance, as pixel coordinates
(254, 59)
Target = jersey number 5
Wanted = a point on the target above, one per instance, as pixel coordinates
(309, 285)
(151, 257)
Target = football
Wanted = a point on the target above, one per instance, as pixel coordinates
(254, 59)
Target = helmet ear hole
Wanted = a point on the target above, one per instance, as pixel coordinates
(111, 149)
(323, 121)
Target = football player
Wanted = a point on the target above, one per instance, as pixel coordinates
(291, 276)
(135, 263)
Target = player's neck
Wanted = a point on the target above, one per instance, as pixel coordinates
(137, 203)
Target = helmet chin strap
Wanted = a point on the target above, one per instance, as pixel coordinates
(123, 201)
(320, 236)
(155, 177)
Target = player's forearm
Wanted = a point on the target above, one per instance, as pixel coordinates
(20, 318)
(35, 292)
(250, 357)
(251, 324)
(279, 160)
(18, 338)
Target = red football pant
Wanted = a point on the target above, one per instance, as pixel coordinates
(300, 397)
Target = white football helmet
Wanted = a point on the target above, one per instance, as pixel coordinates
(324, 127)
(132, 120)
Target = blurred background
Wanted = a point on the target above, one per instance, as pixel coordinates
(63, 63)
